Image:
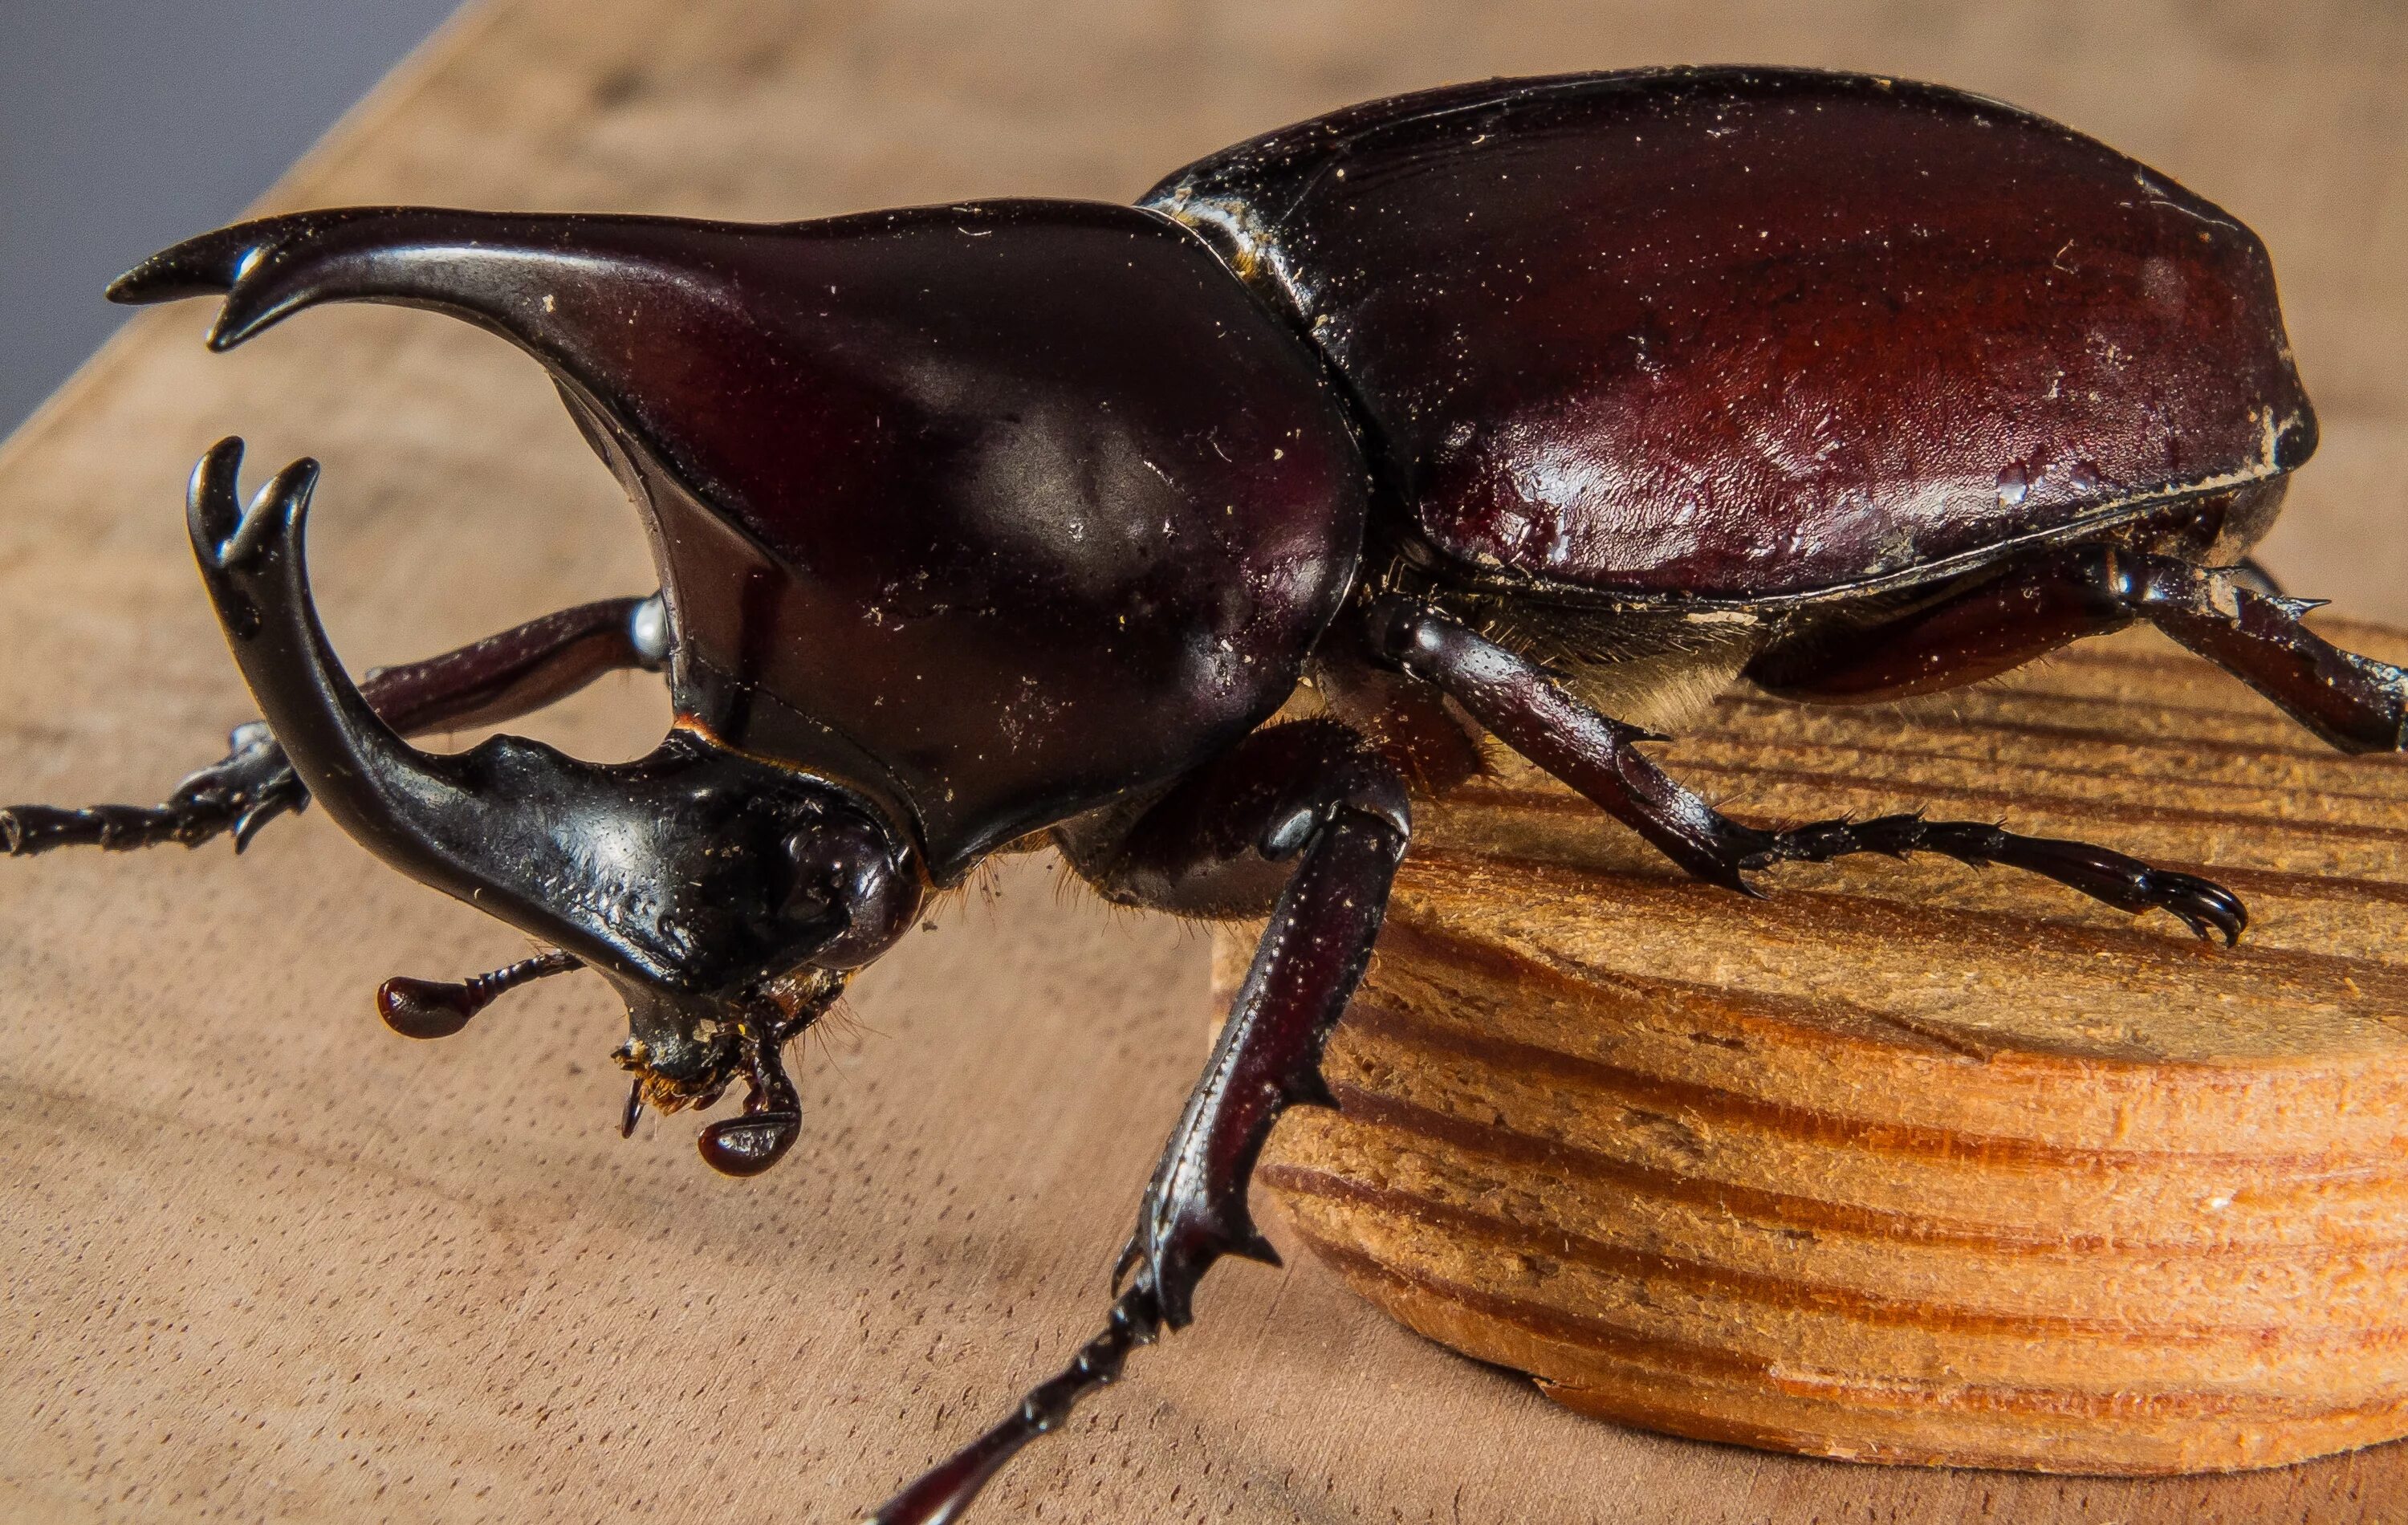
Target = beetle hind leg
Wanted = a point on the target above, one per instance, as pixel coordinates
(2233, 616)
(1598, 757)
(2356, 703)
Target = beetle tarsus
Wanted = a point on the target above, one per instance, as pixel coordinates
(240, 793)
(942, 1495)
(2102, 873)
(497, 678)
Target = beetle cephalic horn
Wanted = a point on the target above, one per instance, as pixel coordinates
(484, 826)
(684, 877)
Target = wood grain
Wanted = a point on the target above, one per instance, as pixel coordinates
(1907, 1163)
(261, 1259)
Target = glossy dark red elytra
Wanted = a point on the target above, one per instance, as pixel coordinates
(1015, 523)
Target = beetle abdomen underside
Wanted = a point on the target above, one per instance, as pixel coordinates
(1757, 334)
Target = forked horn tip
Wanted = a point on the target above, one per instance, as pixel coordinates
(208, 265)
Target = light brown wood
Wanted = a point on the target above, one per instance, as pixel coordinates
(1909, 1164)
(261, 1259)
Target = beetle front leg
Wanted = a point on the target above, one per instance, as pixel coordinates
(495, 678)
(1315, 794)
(244, 790)
(1597, 756)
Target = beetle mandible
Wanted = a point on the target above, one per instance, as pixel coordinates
(1547, 408)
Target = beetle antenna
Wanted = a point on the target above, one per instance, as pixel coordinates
(439, 1008)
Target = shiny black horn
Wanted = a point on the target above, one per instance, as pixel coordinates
(470, 825)
(677, 872)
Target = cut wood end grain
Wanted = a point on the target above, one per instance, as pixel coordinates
(1908, 1162)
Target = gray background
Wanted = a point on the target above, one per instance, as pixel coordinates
(126, 124)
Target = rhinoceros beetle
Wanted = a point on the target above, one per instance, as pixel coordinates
(1541, 408)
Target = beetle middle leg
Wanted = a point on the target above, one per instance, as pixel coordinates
(1315, 795)
(498, 678)
(1598, 757)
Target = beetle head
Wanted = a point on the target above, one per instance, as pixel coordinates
(727, 901)
(728, 909)
(737, 913)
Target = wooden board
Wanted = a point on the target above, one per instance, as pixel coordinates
(1908, 1163)
(262, 1260)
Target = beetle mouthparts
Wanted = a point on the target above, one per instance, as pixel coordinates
(749, 1145)
(704, 1058)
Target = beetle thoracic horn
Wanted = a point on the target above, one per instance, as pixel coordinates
(491, 267)
(596, 299)
(600, 302)
(473, 825)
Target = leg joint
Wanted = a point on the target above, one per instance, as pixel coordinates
(1347, 777)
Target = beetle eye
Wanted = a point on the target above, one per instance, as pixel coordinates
(845, 876)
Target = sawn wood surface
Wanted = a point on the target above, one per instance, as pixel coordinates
(1905, 1162)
